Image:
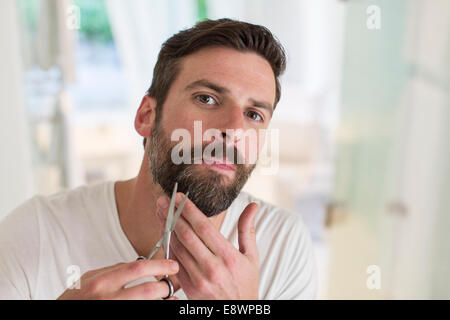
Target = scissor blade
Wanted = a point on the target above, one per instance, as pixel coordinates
(155, 249)
(178, 212)
(165, 239)
(167, 230)
(171, 209)
(166, 246)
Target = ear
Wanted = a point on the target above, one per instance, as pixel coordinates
(145, 116)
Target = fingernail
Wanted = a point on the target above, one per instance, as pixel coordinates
(173, 265)
(162, 202)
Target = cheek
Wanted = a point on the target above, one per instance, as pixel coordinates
(177, 126)
(178, 114)
(250, 145)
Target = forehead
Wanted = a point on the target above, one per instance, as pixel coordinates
(245, 74)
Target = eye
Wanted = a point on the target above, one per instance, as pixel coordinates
(255, 116)
(205, 99)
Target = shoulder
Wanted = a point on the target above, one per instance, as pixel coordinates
(74, 199)
(68, 208)
(19, 251)
(22, 225)
(19, 221)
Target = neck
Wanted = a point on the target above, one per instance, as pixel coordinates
(136, 205)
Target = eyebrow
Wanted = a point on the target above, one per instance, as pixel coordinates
(207, 84)
(263, 105)
(223, 90)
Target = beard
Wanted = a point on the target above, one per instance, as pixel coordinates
(209, 190)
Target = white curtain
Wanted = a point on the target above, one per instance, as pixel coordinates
(419, 166)
(56, 39)
(139, 28)
(16, 174)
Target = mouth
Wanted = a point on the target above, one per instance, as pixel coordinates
(219, 165)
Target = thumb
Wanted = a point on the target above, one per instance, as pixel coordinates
(246, 232)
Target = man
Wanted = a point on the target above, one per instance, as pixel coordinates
(226, 244)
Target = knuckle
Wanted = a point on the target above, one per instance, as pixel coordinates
(186, 236)
(215, 276)
(231, 261)
(211, 265)
(87, 275)
(202, 284)
(214, 273)
(149, 289)
(204, 228)
(137, 266)
(95, 286)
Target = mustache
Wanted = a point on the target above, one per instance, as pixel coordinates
(219, 150)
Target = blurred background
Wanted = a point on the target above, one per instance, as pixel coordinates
(364, 120)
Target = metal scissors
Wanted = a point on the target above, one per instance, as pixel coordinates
(171, 222)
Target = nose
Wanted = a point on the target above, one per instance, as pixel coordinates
(231, 124)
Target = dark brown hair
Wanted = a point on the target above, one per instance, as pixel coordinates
(238, 35)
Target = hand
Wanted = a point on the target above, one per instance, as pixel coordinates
(109, 283)
(210, 266)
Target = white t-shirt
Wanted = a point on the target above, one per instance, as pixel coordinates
(47, 239)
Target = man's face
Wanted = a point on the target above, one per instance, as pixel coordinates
(226, 90)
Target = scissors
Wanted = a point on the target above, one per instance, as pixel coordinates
(171, 222)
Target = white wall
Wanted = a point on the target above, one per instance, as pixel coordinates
(16, 175)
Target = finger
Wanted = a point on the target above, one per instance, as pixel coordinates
(246, 232)
(161, 219)
(162, 210)
(204, 229)
(151, 290)
(184, 257)
(189, 239)
(185, 280)
(135, 270)
(92, 274)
